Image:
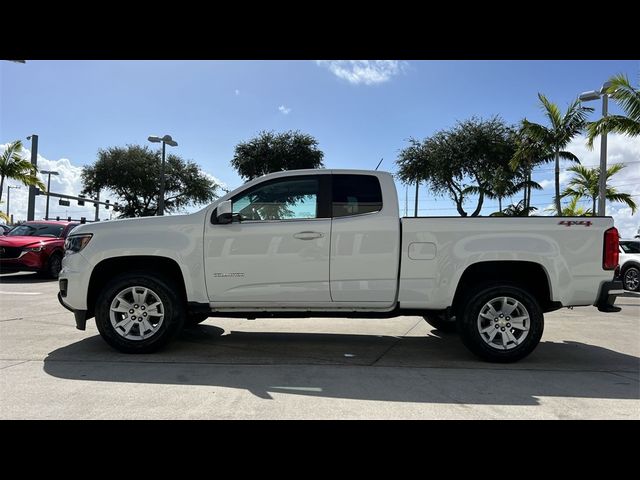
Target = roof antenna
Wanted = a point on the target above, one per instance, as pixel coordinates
(379, 163)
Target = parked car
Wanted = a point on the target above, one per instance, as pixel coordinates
(630, 264)
(313, 243)
(36, 246)
(4, 229)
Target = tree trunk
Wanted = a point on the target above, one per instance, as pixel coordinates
(476, 212)
(1, 186)
(557, 175)
(500, 203)
(528, 202)
(593, 211)
(416, 207)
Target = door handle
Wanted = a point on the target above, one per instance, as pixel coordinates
(307, 235)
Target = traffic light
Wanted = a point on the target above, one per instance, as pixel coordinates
(107, 204)
(81, 202)
(64, 202)
(37, 191)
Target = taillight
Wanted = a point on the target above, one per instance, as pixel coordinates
(611, 252)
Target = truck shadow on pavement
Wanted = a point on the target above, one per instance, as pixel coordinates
(433, 368)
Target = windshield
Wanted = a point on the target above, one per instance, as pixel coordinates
(37, 230)
(630, 247)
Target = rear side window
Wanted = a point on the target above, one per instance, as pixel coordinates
(355, 195)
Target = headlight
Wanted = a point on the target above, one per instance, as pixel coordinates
(33, 249)
(75, 243)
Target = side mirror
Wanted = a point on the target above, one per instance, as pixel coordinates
(224, 212)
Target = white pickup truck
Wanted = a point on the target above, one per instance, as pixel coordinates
(314, 243)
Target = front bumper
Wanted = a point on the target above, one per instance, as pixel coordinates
(26, 262)
(608, 293)
(80, 315)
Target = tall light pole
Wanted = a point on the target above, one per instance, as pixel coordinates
(9, 187)
(602, 180)
(48, 173)
(166, 140)
(31, 203)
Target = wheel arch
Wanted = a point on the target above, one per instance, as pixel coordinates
(163, 266)
(531, 276)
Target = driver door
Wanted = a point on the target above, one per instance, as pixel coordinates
(277, 254)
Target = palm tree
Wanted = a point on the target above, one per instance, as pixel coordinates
(558, 135)
(572, 209)
(628, 98)
(585, 183)
(13, 166)
(504, 184)
(519, 209)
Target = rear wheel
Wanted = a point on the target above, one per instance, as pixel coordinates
(631, 278)
(139, 312)
(501, 323)
(441, 322)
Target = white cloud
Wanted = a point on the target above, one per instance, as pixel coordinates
(620, 149)
(367, 72)
(237, 91)
(284, 110)
(68, 182)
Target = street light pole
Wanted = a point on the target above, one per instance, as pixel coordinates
(166, 140)
(602, 179)
(161, 198)
(48, 173)
(602, 187)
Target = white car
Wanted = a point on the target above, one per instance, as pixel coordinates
(630, 264)
(314, 243)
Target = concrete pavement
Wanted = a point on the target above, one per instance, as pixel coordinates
(587, 366)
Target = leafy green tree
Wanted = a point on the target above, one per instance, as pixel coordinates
(505, 184)
(133, 174)
(273, 152)
(460, 162)
(563, 127)
(585, 183)
(14, 167)
(628, 98)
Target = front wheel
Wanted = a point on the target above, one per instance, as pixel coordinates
(139, 312)
(631, 279)
(501, 323)
(54, 265)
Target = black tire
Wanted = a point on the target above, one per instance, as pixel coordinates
(439, 322)
(470, 331)
(54, 265)
(194, 319)
(172, 303)
(630, 276)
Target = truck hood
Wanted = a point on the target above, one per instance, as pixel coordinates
(25, 241)
(134, 223)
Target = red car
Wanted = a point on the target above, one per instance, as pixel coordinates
(36, 246)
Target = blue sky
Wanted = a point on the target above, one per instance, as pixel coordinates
(358, 116)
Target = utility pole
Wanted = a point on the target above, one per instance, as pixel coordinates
(416, 208)
(31, 204)
(49, 173)
(9, 187)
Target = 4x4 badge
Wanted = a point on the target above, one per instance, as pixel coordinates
(568, 223)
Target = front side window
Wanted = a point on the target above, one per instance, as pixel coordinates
(355, 195)
(285, 199)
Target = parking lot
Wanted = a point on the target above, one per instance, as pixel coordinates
(587, 366)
